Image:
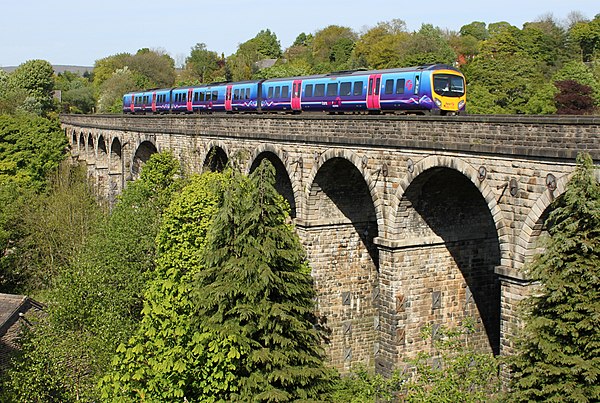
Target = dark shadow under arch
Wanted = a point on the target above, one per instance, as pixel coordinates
(283, 184)
(442, 202)
(216, 160)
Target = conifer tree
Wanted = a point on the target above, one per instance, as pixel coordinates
(256, 293)
(559, 356)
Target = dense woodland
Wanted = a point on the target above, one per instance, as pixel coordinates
(149, 300)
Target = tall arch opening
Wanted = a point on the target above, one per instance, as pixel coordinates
(447, 248)
(91, 149)
(283, 184)
(141, 156)
(339, 231)
(216, 160)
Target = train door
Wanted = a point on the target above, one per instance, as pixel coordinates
(228, 106)
(373, 91)
(189, 99)
(154, 102)
(132, 106)
(296, 95)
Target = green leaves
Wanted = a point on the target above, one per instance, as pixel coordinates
(559, 355)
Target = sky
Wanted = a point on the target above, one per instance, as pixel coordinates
(76, 32)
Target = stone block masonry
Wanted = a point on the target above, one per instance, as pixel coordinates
(407, 222)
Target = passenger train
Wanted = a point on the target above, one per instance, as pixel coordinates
(431, 89)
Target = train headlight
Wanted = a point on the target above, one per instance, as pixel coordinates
(461, 104)
(438, 102)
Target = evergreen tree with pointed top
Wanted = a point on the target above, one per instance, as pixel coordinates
(559, 352)
(256, 292)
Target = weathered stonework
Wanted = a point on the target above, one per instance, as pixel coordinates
(407, 222)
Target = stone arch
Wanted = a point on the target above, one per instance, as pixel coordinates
(526, 245)
(283, 179)
(74, 143)
(469, 172)
(116, 156)
(142, 154)
(448, 218)
(102, 153)
(82, 146)
(358, 164)
(216, 157)
(90, 149)
(338, 227)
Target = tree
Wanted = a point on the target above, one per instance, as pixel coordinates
(379, 46)
(559, 352)
(153, 68)
(264, 45)
(77, 93)
(427, 46)
(162, 360)
(113, 89)
(332, 47)
(202, 64)
(36, 78)
(256, 293)
(587, 35)
(573, 98)
(95, 301)
(582, 74)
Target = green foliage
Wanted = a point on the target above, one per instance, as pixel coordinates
(332, 47)
(427, 46)
(379, 46)
(36, 78)
(162, 361)
(30, 148)
(96, 299)
(587, 35)
(203, 65)
(77, 93)
(452, 372)
(255, 291)
(559, 350)
(242, 64)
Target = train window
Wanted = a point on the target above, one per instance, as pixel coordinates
(319, 90)
(389, 86)
(215, 95)
(236, 94)
(277, 92)
(345, 89)
(370, 86)
(358, 88)
(417, 84)
(332, 89)
(270, 92)
(377, 85)
(285, 92)
(400, 86)
(308, 91)
(247, 93)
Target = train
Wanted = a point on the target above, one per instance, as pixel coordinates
(431, 89)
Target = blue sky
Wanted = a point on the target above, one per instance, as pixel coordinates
(80, 32)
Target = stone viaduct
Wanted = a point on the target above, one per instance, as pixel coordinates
(407, 221)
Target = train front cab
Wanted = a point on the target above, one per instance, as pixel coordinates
(449, 92)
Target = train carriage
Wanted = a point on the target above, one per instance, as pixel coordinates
(437, 89)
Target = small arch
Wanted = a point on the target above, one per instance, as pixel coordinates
(534, 224)
(90, 149)
(283, 184)
(116, 152)
(141, 156)
(216, 158)
(357, 163)
(102, 152)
